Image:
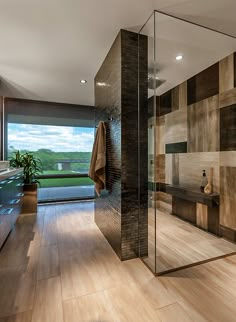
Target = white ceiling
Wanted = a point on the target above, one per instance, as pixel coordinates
(47, 46)
(200, 48)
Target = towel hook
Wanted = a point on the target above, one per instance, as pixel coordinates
(109, 118)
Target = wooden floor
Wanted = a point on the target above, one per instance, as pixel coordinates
(180, 244)
(57, 266)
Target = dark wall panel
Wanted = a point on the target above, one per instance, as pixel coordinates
(108, 104)
(117, 211)
(228, 128)
(1, 127)
(204, 84)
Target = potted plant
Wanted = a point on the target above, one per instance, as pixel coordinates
(31, 168)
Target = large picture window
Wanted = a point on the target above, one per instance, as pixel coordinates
(63, 148)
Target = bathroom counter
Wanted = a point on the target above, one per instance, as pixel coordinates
(11, 172)
(11, 200)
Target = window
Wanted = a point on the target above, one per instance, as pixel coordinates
(64, 149)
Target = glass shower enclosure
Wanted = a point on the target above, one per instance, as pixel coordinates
(191, 84)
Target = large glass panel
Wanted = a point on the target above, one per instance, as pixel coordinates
(191, 88)
(148, 31)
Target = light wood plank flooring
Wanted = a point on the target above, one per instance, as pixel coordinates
(58, 267)
(180, 244)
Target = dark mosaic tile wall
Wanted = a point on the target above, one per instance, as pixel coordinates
(1, 122)
(117, 210)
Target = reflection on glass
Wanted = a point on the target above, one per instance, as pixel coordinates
(190, 89)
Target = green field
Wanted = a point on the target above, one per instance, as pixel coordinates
(64, 182)
(50, 160)
(67, 182)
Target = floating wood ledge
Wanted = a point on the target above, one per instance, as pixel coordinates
(212, 200)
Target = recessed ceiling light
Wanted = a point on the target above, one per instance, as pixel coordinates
(83, 81)
(101, 83)
(179, 57)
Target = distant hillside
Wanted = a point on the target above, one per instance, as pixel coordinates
(50, 159)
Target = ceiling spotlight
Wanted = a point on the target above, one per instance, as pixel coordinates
(101, 83)
(179, 57)
(83, 81)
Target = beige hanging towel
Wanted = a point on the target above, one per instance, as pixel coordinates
(97, 171)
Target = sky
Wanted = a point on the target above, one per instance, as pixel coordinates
(56, 138)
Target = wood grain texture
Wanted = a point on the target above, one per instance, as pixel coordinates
(160, 135)
(191, 166)
(176, 126)
(48, 262)
(173, 312)
(50, 228)
(130, 291)
(20, 317)
(79, 309)
(179, 243)
(48, 301)
(227, 197)
(228, 128)
(165, 104)
(175, 99)
(164, 202)
(160, 168)
(169, 168)
(202, 216)
(203, 85)
(228, 159)
(203, 126)
(175, 169)
(184, 209)
(227, 98)
(226, 74)
(183, 95)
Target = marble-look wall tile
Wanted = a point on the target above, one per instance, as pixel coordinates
(226, 73)
(227, 98)
(176, 126)
(203, 125)
(227, 197)
(228, 128)
(191, 166)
